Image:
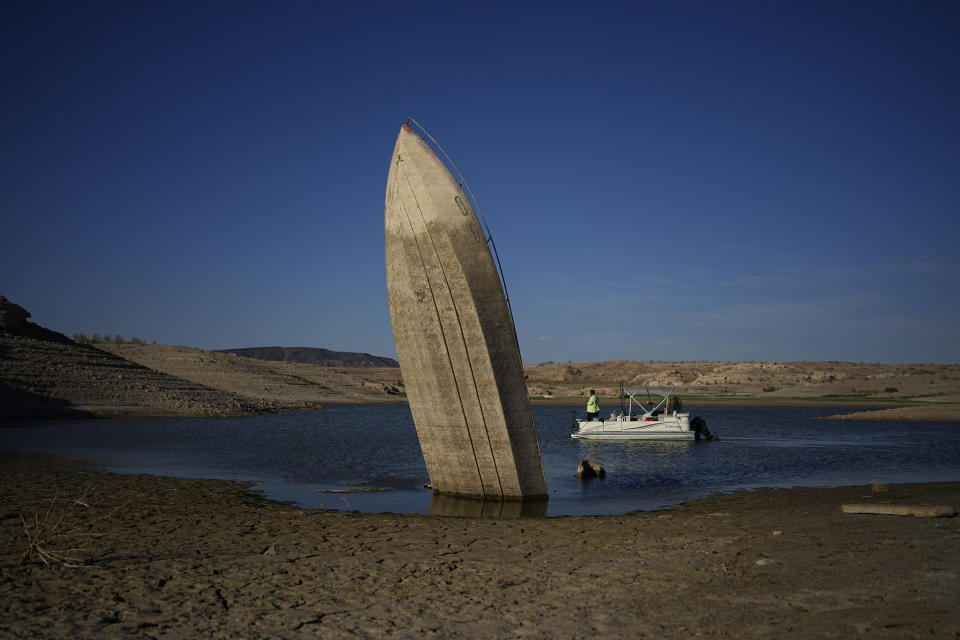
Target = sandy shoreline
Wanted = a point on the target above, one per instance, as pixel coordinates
(913, 413)
(205, 558)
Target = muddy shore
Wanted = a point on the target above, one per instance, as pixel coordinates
(161, 557)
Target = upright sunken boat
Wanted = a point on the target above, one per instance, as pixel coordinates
(454, 331)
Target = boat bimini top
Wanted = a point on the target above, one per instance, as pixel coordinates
(628, 398)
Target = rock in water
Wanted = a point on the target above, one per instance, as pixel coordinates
(589, 469)
(454, 334)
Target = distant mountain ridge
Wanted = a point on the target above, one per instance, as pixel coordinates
(314, 355)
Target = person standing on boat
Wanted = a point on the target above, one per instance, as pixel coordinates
(593, 406)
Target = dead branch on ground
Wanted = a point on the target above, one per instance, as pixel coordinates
(53, 535)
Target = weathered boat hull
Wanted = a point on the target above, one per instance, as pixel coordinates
(454, 335)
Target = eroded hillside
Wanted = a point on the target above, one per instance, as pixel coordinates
(757, 380)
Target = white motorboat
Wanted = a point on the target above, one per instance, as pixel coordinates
(663, 421)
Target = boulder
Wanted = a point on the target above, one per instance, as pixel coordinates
(590, 469)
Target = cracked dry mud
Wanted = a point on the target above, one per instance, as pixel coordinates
(204, 558)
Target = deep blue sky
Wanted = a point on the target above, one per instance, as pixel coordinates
(664, 180)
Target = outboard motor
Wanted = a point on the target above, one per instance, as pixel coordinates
(699, 427)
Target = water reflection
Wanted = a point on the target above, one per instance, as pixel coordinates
(452, 507)
(291, 456)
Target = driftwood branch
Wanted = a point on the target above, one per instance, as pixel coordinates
(50, 534)
(918, 511)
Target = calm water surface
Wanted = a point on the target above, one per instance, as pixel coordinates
(291, 456)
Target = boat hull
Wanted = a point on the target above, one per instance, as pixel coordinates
(634, 435)
(454, 335)
(675, 427)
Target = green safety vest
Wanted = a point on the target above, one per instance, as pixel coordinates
(593, 405)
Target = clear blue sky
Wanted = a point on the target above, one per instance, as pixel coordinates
(664, 180)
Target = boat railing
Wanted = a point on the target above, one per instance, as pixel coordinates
(476, 205)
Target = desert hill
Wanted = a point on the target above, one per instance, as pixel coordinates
(312, 355)
(58, 378)
(44, 374)
(41, 379)
(288, 383)
(912, 391)
(768, 381)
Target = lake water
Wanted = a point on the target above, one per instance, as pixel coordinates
(290, 456)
